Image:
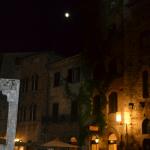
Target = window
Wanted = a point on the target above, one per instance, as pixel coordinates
(113, 102)
(96, 104)
(74, 110)
(56, 79)
(55, 112)
(146, 126)
(24, 114)
(145, 84)
(20, 114)
(74, 75)
(35, 80)
(33, 111)
(24, 85)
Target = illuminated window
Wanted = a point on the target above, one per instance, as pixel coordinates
(113, 102)
(146, 126)
(145, 84)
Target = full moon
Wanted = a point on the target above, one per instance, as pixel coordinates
(67, 15)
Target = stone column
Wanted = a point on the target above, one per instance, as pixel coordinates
(10, 88)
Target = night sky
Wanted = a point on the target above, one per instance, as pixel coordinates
(40, 25)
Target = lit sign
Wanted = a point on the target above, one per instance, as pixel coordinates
(93, 128)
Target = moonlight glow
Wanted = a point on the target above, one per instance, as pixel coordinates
(67, 15)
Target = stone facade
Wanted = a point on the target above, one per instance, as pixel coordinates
(65, 127)
(33, 97)
(36, 122)
(129, 86)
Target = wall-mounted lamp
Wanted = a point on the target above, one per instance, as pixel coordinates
(118, 117)
(142, 104)
(131, 105)
(96, 140)
(124, 118)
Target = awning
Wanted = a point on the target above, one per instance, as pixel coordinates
(58, 143)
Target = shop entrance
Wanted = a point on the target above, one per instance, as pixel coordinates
(112, 142)
(95, 143)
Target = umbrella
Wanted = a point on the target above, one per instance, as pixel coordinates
(58, 143)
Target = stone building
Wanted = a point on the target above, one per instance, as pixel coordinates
(63, 107)
(9, 68)
(128, 94)
(45, 111)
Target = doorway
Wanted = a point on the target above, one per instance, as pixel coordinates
(112, 142)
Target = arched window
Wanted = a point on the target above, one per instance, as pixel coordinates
(145, 84)
(96, 104)
(146, 126)
(113, 102)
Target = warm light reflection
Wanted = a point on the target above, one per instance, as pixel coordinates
(21, 148)
(118, 116)
(16, 140)
(127, 119)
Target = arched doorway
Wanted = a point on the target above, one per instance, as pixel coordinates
(146, 144)
(95, 142)
(112, 142)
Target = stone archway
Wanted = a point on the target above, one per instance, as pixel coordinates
(113, 138)
(10, 88)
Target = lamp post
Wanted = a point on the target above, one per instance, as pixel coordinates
(125, 121)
